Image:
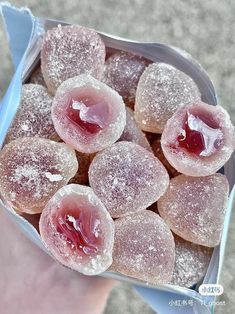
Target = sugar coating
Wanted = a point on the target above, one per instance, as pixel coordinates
(157, 150)
(191, 262)
(33, 118)
(132, 132)
(192, 164)
(68, 51)
(161, 90)
(114, 122)
(84, 161)
(32, 170)
(127, 178)
(59, 246)
(144, 248)
(37, 77)
(122, 72)
(194, 207)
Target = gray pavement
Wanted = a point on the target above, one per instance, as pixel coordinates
(204, 28)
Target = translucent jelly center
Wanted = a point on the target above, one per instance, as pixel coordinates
(88, 113)
(82, 231)
(199, 137)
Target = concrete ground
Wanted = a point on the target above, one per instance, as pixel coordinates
(204, 28)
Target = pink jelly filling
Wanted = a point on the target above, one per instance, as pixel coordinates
(200, 135)
(88, 113)
(81, 231)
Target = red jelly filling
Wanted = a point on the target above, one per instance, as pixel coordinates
(81, 231)
(89, 112)
(75, 115)
(191, 140)
(200, 136)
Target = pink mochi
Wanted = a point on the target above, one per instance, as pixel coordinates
(198, 139)
(122, 72)
(127, 178)
(68, 51)
(32, 170)
(33, 118)
(87, 114)
(191, 262)
(161, 90)
(144, 248)
(194, 207)
(77, 229)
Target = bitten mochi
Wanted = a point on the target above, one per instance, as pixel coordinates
(87, 114)
(198, 139)
(77, 229)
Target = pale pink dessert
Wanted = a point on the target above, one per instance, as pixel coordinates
(132, 132)
(122, 73)
(33, 118)
(194, 207)
(144, 248)
(87, 114)
(77, 229)
(199, 139)
(161, 90)
(32, 170)
(68, 51)
(191, 262)
(127, 178)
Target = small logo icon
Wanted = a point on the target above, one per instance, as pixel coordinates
(211, 289)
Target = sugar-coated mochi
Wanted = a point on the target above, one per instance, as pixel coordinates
(194, 207)
(132, 132)
(191, 262)
(127, 178)
(198, 139)
(88, 114)
(33, 118)
(78, 230)
(157, 150)
(37, 78)
(161, 90)
(122, 72)
(32, 170)
(84, 161)
(68, 51)
(144, 248)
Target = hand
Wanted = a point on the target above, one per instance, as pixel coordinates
(31, 282)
